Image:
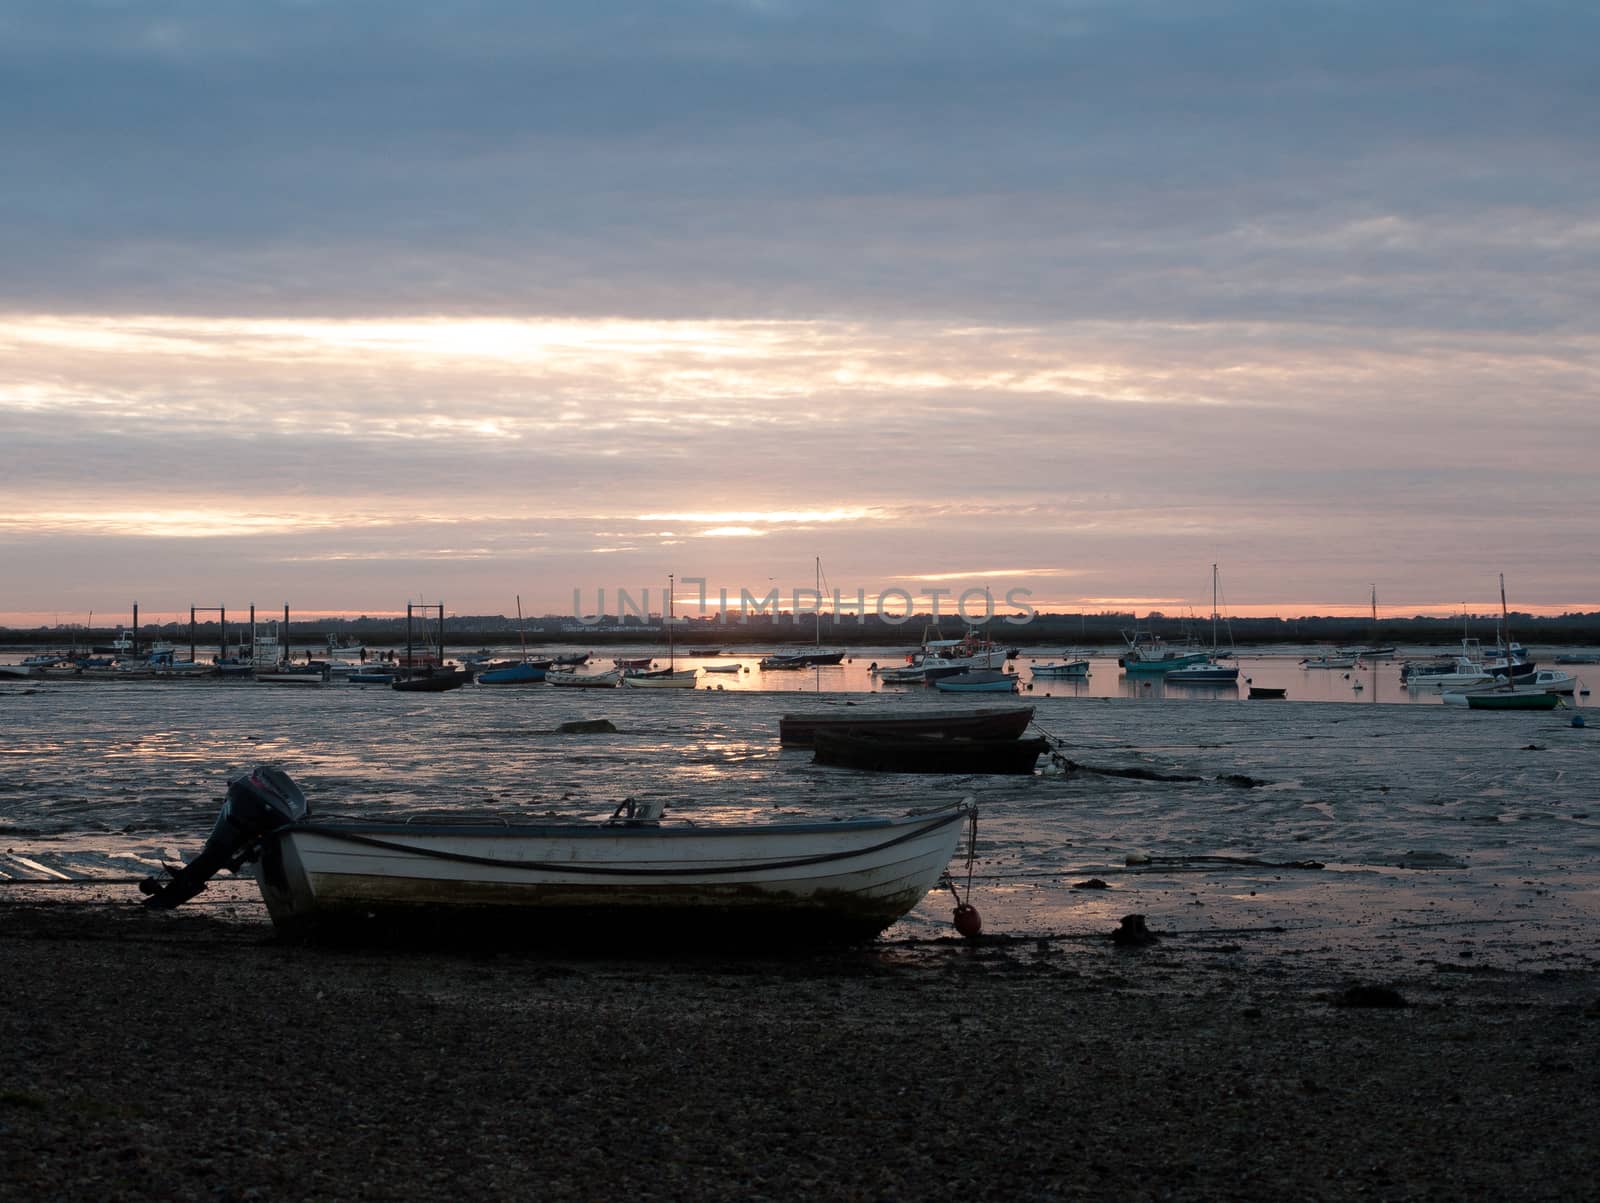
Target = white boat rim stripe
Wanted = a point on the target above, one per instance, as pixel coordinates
(917, 832)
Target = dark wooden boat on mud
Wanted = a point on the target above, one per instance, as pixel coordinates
(1263, 691)
(979, 722)
(782, 660)
(435, 680)
(882, 752)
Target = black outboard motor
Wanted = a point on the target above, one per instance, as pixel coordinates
(256, 806)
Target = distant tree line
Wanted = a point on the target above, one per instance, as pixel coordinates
(1101, 630)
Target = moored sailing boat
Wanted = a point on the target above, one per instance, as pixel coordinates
(524, 671)
(1374, 649)
(1506, 693)
(673, 678)
(818, 656)
(1207, 671)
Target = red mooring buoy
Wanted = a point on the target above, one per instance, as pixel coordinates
(968, 921)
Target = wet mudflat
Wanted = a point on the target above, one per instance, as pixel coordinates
(191, 1056)
(1441, 834)
(1414, 1019)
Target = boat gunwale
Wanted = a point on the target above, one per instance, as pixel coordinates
(486, 827)
(798, 730)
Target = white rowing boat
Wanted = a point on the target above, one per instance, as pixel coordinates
(605, 680)
(683, 678)
(633, 874)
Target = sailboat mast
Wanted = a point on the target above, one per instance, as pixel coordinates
(1213, 609)
(1505, 622)
(672, 660)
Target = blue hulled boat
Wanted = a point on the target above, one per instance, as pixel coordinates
(525, 672)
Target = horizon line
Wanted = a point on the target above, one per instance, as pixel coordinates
(25, 620)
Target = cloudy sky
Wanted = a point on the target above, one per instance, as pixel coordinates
(345, 304)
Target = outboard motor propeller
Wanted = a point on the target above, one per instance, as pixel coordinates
(257, 805)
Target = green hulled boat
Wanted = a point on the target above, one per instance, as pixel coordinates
(1513, 701)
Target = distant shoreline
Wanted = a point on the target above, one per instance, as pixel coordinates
(1092, 632)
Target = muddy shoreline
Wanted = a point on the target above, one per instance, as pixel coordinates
(193, 1055)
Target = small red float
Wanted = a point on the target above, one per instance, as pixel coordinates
(968, 921)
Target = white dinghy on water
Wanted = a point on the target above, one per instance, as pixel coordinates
(633, 877)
